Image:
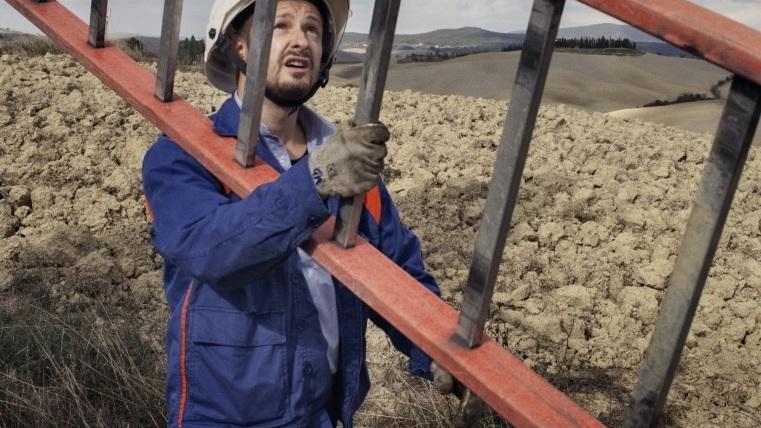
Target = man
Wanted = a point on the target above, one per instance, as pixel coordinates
(260, 335)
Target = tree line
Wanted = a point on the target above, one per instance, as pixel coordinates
(190, 51)
(594, 43)
(584, 43)
(687, 97)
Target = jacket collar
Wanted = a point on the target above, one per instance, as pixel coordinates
(268, 147)
(227, 120)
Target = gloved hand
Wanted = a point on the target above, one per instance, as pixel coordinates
(351, 161)
(471, 408)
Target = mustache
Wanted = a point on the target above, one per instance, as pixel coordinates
(302, 54)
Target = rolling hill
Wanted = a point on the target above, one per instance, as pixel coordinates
(460, 37)
(592, 82)
(472, 39)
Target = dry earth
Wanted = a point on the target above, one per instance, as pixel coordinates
(599, 220)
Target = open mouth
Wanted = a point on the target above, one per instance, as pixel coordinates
(297, 63)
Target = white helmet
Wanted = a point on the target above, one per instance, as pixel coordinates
(219, 69)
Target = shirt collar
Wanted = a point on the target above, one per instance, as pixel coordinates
(227, 120)
(316, 128)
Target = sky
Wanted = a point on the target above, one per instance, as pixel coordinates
(416, 16)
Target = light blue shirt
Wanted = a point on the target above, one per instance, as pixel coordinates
(318, 279)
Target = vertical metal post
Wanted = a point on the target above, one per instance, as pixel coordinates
(170, 39)
(508, 169)
(98, 15)
(377, 59)
(701, 237)
(256, 81)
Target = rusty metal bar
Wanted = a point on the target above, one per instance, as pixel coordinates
(508, 169)
(98, 16)
(380, 42)
(495, 375)
(700, 31)
(256, 81)
(377, 59)
(709, 213)
(170, 39)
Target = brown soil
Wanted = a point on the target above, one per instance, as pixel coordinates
(596, 230)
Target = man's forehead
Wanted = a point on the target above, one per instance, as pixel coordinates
(302, 6)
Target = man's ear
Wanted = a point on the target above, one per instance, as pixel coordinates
(240, 47)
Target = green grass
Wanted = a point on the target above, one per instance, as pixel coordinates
(28, 46)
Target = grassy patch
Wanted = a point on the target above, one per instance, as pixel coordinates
(75, 370)
(28, 46)
(34, 46)
(406, 401)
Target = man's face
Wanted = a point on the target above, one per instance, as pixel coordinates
(294, 64)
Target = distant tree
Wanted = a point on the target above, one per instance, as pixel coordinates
(134, 44)
(512, 47)
(135, 49)
(685, 97)
(190, 51)
(594, 43)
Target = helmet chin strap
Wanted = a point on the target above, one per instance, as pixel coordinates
(293, 104)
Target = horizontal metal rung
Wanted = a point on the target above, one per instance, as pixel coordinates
(256, 81)
(508, 170)
(170, 39)
(98, 16)
(709, 214)
(369, 102)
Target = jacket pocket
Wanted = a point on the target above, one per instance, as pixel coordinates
(236, 367)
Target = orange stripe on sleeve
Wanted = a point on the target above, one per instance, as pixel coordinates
(183, 355)
(373, 203)
(148, 210)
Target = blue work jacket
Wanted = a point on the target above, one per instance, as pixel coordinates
(244, 344)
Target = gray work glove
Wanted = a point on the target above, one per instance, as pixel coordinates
(471, 408)
(351, 161)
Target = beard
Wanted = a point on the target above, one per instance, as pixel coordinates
(284, 88)
(289, 91)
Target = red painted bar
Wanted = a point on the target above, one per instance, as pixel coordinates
(700, 31)
(524, 398)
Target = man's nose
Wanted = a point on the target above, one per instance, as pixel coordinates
(299, 38)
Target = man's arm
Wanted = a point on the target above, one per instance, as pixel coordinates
(227, 243)
(221, 242)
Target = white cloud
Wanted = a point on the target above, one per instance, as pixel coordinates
(746, 11)
(134, 16)
(417, 16)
